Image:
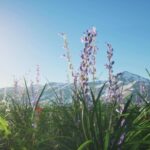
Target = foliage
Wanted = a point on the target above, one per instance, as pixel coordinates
(73, 126)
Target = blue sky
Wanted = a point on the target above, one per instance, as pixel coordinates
(29, 36)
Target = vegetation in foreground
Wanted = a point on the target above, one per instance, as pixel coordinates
(89, 122)
(75, 126)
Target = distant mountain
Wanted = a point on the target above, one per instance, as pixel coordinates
(130, 83)
(127, 77)
(133, 83)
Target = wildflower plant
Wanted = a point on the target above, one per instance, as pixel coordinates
(67, 56)
(114, 91)
(34, 88)
(88, 60)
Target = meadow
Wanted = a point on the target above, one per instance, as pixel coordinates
(90, 121)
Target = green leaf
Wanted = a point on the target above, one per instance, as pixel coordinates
(37, 102)
(40, 96)
(27, 92)
(4, 126)
(106, 144)
(85, 145)
(148, 72)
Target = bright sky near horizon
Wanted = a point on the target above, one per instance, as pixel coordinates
(29, 36)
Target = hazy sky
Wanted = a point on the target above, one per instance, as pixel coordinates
(29, 36)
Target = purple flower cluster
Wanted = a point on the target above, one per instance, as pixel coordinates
(114, 92)
(110, 64)
(88, 66)
(88, 59)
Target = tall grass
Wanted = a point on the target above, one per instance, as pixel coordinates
(75, 126)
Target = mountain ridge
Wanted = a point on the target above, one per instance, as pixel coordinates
(129, 81)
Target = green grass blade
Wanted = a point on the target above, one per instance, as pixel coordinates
(27, 91)
(147, 72)
(85, 145)
(106, 142)
(37, 102)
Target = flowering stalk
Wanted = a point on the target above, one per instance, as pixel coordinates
(37, 82)
(113, 87)
(32, 93)
(37, 74)
(67, 55)
(88, 60)
(35, 89)
(15, 87)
